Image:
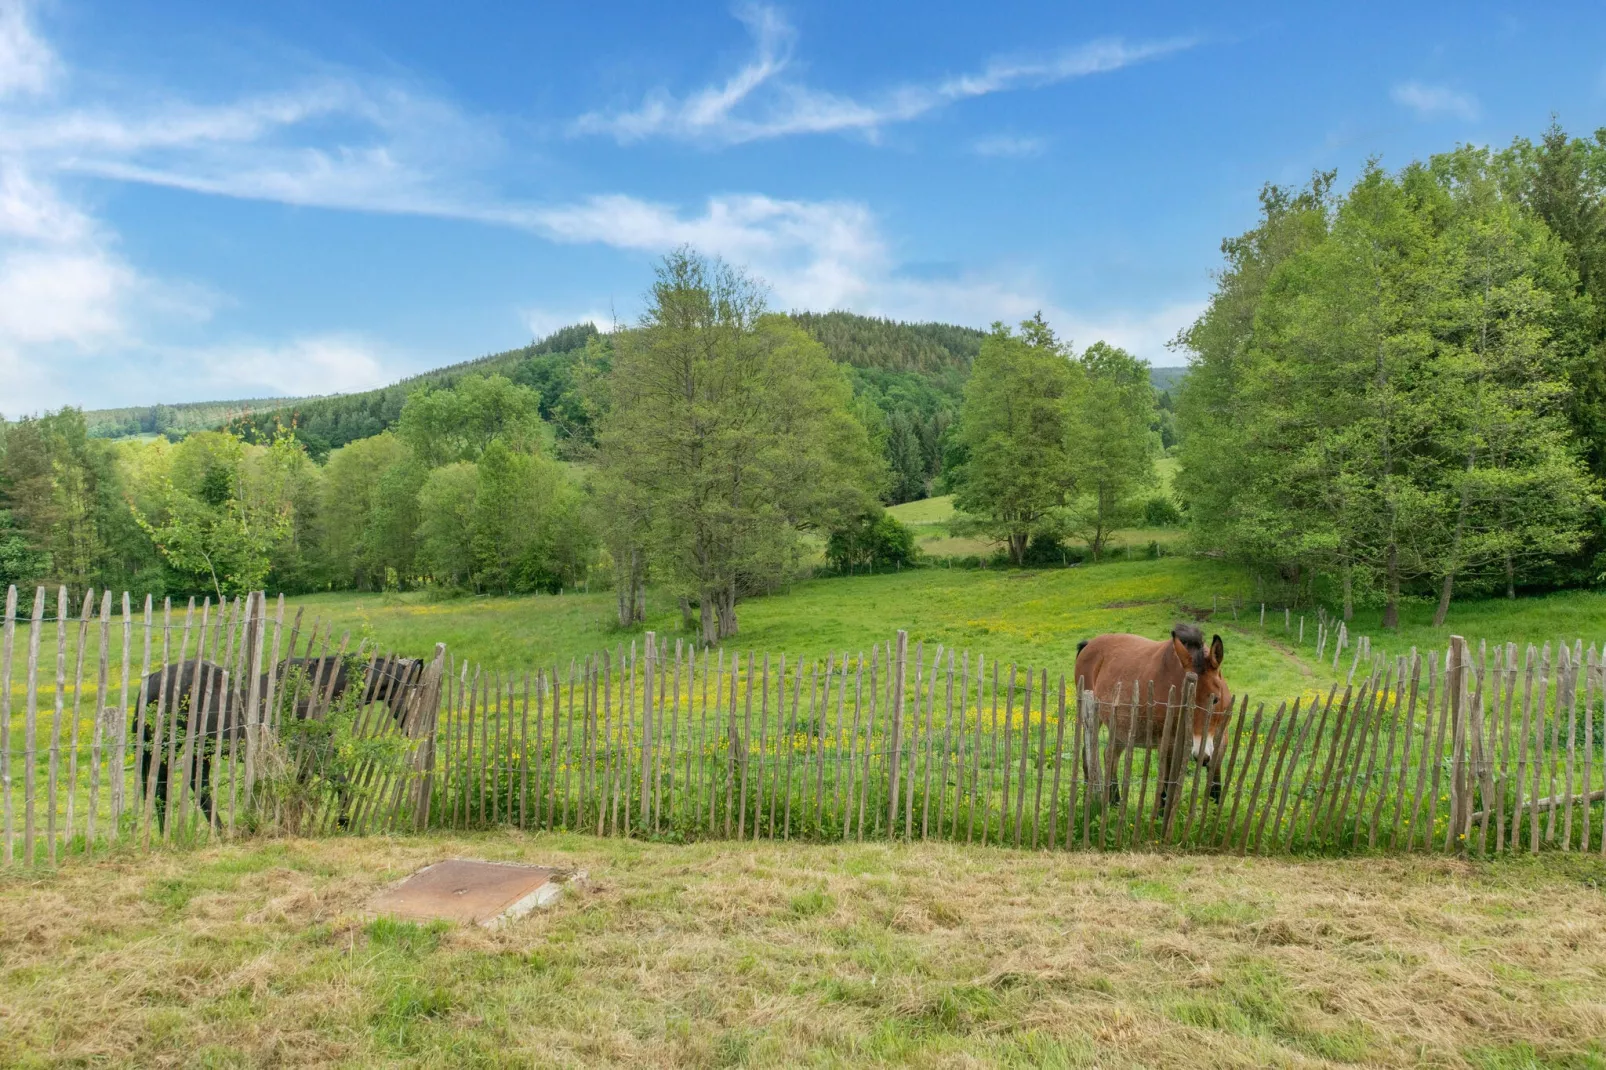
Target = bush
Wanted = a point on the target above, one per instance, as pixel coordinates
(872, 540)
(1161, 511)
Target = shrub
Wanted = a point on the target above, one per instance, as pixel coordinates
(872, 540)
(1161, 511)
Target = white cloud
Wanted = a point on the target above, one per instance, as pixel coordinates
(1009, 145)
(543, 322)
(1145, 334)
(80, 323)
(27, 65)
(831, 255)
(759, 101)
(317, 364)
(1435, 101)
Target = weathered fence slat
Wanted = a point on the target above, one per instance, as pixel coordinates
(8, 638)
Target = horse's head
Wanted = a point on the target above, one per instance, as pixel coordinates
(1212, 697)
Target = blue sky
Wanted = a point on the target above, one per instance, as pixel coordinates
(227, 199)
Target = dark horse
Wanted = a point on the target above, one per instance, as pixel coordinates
(178, 697)
(1119, 670)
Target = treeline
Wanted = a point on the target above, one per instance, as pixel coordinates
(172, 420)
(463, 494)
(1399, 389)
(719, 437)
(325, 424)
(909, 378)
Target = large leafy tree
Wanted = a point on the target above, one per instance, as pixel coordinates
(1016, 430)
(370, 511)
(1386, 407)
(1113, 443)
(459, 422)
(53, 479)
(736, 432)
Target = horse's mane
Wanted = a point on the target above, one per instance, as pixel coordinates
(1191, 637)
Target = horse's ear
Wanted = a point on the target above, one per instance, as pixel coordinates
(1181, 651)
(1217, 651)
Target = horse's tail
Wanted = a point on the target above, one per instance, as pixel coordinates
(1081, 646)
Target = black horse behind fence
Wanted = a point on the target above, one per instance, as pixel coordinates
(198, 690)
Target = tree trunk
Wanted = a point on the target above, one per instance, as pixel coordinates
(1017, 546)
(1444, 599)
(1511, 576)
(685, 613)
(630, 587)
(710, 627)
(1391, 609)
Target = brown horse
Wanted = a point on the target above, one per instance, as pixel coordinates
(1120, 670)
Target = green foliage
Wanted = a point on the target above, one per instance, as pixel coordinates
(1114, 447)
(218, 521)
(458, 424)
(1380, 388)
(315, 761)
(176, 420)
(872, 540)
(325, 424)
(446, 527)
(51, 479)
(867, 342)
(1160, 511)
(728, 433)
(1016, 427)
(370, 511)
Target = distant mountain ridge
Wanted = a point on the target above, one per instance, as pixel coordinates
(935, 356)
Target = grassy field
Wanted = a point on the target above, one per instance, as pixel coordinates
(775, 954)
(931, 517)
(1033, 617)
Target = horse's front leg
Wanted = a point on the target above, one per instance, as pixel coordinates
(1112, 765)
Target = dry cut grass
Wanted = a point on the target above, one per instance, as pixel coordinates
(777, 954)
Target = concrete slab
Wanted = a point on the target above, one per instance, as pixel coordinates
(465, 890)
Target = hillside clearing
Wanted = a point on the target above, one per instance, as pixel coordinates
(772, 954)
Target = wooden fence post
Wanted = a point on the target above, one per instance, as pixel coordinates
(899, 661)
(646, 729)
(5, 717)
(1460, 793)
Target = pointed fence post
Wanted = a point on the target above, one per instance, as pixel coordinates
(899, 663)
(1460, 786)
(647, 728)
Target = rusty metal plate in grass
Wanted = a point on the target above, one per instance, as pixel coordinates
(464, 890)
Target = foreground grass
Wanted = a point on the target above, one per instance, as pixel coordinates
(775, 954)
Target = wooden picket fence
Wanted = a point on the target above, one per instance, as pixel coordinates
(85, 764)
(1472, 752)
(1456, 752)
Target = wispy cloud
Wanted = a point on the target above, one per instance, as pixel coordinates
(79, 321)
(1435, 101)
(761, 100)
(1009, 145)
(27, 64)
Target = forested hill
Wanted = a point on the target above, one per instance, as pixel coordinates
(185, 416)
(905, 365)
(909, 379)
(328, 423)
(887, 345)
